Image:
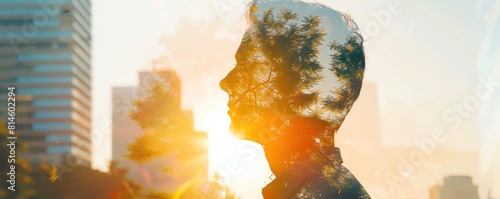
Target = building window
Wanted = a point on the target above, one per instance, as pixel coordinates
(42, 34)
(52, 114)
(52, 103)
(58, 138)
(44, 80)
(45, 91)
(51, 126)
(59, 149)
(52, 68)
(44, 57)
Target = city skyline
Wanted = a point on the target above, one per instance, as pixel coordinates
(426, 115)
(406, 83)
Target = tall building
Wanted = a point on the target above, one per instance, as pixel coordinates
(45, 51)
(488, 29)
(364, 111)
(455, 187)
(359, 137)
(122, 99)
(493, 179)
(150, 175)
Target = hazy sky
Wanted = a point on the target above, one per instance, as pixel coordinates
(423, 58)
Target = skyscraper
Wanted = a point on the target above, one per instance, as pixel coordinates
(45, 52)
(359, 137)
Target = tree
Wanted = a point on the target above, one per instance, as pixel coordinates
(348, 64)
(34, 181)
(277, 68)
(80, 182)
(162, 121)
(23, 172)
(274, 95)
(169, 131)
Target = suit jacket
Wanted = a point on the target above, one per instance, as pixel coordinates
(316, 177)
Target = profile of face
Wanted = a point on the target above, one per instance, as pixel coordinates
(298, 71)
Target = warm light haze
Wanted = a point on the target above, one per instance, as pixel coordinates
(424, 60)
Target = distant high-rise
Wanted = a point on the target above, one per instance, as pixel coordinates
(488, 29)
(359, 137)
(494, 173)
(455, 187)
(124, 130)
(362, 124)
(45, 51)
(150, 175)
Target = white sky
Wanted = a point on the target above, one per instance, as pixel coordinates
(425, 56)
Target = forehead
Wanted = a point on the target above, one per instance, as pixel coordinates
(242, 43)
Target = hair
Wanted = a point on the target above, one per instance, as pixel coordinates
(287, 139)
(297, 6)
(338, 26)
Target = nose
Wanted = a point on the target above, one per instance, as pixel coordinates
(223, 83)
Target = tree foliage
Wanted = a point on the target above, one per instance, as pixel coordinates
(159, 110)
(277, 76)
(78, 182)
(348, 64)
(25, 184)
(277, 66)
(165, 125)
(169, 131)
(276, 90)
(81, 182)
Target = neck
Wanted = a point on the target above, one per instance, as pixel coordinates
(289, 180)
(306, 143)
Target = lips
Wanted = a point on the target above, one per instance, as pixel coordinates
(230, 112)
(230, 107)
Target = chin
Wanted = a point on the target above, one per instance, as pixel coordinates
(237, 132)
(242, 133)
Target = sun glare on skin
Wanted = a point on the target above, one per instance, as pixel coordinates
(226, 150)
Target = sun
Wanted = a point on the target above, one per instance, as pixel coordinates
(219, 139)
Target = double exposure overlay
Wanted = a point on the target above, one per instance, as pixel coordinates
(296, 78)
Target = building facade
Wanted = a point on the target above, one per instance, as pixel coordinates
(45, 52)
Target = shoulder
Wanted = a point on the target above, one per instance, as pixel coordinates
(334, 182)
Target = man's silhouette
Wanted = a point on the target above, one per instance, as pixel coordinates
(299, 70)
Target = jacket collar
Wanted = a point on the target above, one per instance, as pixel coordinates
(295, 176)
